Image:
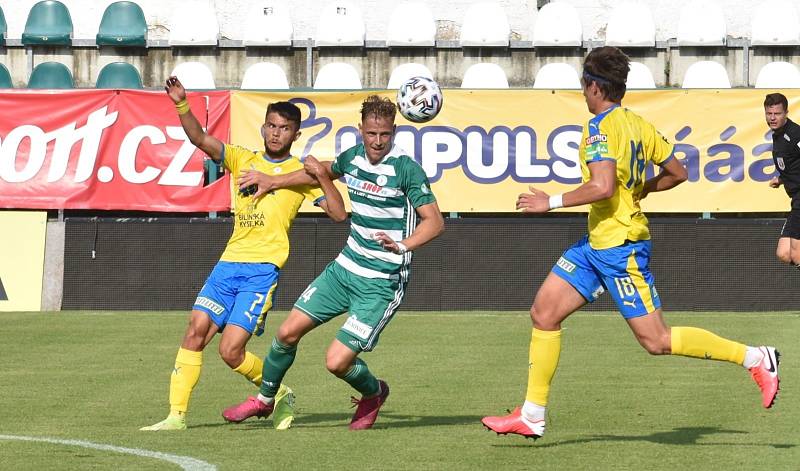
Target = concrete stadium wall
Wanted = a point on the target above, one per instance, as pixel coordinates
(448, 61)
(477, 264)
(521, 14)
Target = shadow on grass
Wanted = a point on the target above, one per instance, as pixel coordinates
(386, 420)
(677, 436)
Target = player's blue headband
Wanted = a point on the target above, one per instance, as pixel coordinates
(588, 76)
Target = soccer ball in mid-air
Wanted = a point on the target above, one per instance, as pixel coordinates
(419, 99)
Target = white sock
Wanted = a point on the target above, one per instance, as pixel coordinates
(266, 400)
(533, 412)
(752, 357)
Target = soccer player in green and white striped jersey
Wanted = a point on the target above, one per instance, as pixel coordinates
(393, 213)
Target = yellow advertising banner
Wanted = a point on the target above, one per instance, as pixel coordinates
(487, 146)
(21, 260)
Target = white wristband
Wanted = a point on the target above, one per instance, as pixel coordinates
(401, 248)
(557, 201)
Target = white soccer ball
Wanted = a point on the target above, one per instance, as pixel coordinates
(419, 99)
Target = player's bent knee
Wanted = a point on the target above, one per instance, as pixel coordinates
(232, 356)
(337, 367)
(784, 256)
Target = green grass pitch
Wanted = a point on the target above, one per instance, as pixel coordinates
(99, 376)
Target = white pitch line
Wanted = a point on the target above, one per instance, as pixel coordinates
(189, 464)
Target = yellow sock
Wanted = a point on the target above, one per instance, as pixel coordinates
(183, 380)
(699, 343)
(544, 353)
(251, 368)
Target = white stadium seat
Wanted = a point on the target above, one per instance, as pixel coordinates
(264, 76)
(631, 25)
(484, 75)
(194, 76)
(706, 74)
(340, 24)
(194, 23)
(775, 23)
(557, 75)
(557, 24)
(403, 72)
(640, 77)
(701, 23)
(411, 24)
(337, 76)
(778, 75)
(485, 24)
(269, 24)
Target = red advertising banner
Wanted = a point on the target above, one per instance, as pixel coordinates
(107, 149)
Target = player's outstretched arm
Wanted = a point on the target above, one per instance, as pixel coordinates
(267, 183)
(601, 185)
(673, 173)
(191, 126)
(430, 227)
(333, 205)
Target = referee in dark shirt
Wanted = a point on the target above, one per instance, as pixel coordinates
(786, 155)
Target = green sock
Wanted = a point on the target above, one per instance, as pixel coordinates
(360, 378)
(278, 361)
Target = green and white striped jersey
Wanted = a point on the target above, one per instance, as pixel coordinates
(382, 199)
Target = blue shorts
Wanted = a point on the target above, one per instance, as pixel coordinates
(623, 270)
(239, 294)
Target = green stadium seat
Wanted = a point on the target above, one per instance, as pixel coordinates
(5, 78)
(119, 75)
(51, 75)
(3, 26)
(123, 24)
(48, 22)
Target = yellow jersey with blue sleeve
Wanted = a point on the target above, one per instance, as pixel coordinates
(261, 226)
(621, 136)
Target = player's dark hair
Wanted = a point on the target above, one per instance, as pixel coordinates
(773, 99)
(378, 107)
(608, 67)
(286, 110)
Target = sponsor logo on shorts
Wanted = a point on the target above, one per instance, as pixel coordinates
(357, 328)
(209, 304)
(565, 265)
(600, 290)
(655, 292)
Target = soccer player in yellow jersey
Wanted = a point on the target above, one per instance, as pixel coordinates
(615, 148)
(238, 293)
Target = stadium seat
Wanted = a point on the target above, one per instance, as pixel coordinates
(337, 76)
(118, 75)
(775, 23)
(123, 24)
(631, 25)
(778, 75)
(484, 75)
(403, 72)
(5, 78)
(557, 75)
(269, 25)
(3, 26)
(485, 24)
(706, 74)
(701, 23)
(640, 77)
(51, 75)
(340, 24)
(49, 22)
(557, 24)
(411, 24)
(194, 76)
(194, 23)
(265, 76)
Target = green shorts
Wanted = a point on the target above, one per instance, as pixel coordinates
(371, 303)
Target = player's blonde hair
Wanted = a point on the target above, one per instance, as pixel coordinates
(378, 107)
